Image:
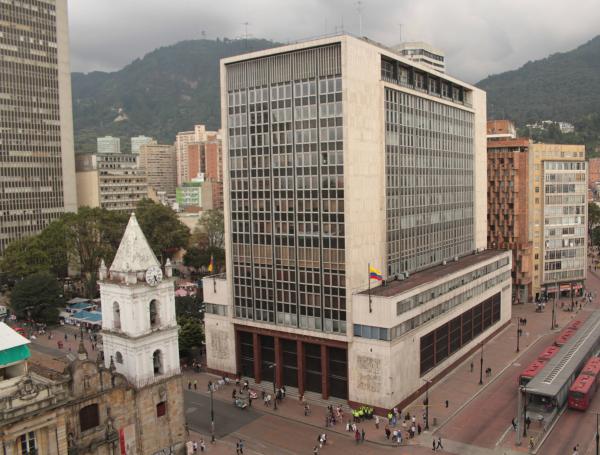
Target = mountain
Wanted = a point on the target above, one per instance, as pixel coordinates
(562, 87)
(168, 90)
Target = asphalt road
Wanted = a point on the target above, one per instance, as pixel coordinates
(228, 418)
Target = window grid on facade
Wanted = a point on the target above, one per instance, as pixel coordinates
(429, 182)
(287, 189)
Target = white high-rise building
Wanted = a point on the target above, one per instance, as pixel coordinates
(37, 164)
(138, 141)
(108, 144)
(341, 155)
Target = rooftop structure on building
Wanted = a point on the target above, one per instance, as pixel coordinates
(36, 119)
(108, 144)
(353, 179)
(424, 53)
(500, 130)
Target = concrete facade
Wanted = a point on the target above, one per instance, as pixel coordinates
(38, 169)
(292, 307)
(160, 167)
(508, 208)
(558, 204)
(110, 181)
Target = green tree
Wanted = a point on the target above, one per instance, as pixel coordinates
(24, 257)
(54, 241)
(210, 231)
(188, 307)
(39, 297)
(593, 216)
(596, 236)
(92, 235)
(191, 335)
(165, 233)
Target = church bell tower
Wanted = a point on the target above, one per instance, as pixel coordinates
(139, 329)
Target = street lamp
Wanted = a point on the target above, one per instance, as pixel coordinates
(212, 414)
(426, 403)
(481, 366)
(597, 437)
(519, 332)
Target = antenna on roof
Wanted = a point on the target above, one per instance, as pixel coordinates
(400, 33)
(359, 8)
(246, 24)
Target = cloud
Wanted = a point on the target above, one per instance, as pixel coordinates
(480, 37)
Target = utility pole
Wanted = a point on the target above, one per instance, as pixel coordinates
(426, 404)
(246, 24)
(400, 33)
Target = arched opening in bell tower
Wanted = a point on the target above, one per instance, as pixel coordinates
(157, 362)
(116, 316)
(154, 315)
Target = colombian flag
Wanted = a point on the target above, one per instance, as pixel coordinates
(375, 274)
(211, 265)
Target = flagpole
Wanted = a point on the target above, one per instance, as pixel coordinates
(369, 275)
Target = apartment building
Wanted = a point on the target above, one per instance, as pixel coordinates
(108, 144)
(111, 181)
(537, 207)
(160, 167)
(37, 165)
(508, 207)
(341, 155)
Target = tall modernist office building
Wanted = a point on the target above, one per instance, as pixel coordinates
(340, 153)
(37, 164)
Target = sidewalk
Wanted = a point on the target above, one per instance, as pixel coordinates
(461, 386)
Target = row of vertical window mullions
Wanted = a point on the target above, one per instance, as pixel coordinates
(441, 343)
(237, 312)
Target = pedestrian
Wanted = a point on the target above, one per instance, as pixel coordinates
(283, 391)
(377, 422)
(471, 366)
(241, 447)
(233, 394)
(189, 385)
(249, 401)
(527, 422)
(202, 445)
(195, 447)
(306, 409)
(210, 386)
(514, 424)
(195, 384)
(387, 432)
(433, 445)
(419, 429)
(263, 394)
(357, 436)
(439, 444)
(237, 448)
(316, 450)
(362, 435)
(66, 337)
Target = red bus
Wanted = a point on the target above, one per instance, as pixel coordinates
(529, 373)
(575, 324)
(548, 353)
(592, 367)
(564, 336)
(581, 392)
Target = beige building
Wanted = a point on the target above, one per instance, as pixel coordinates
(558, 214)
(37, 166)
(108, 144)
(160, 166)
(110, 181)
(370, 159)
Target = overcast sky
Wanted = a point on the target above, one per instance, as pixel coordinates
(479, 37)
